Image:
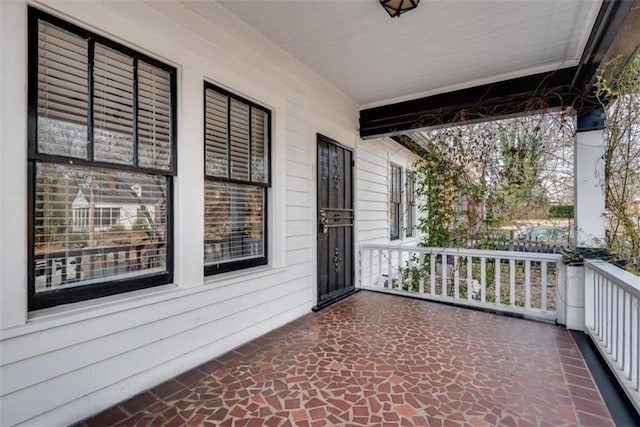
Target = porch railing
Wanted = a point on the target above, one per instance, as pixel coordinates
(515, 282)
(612, 319)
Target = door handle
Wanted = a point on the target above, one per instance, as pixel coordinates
(324, 222)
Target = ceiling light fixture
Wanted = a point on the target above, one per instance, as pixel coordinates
(398, 7)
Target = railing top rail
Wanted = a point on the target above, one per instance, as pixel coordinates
(467, 252)
(630, 282)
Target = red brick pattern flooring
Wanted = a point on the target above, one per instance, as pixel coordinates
(376, 359)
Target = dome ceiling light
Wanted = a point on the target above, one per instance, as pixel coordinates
(398, 7)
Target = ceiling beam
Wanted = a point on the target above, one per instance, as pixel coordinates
(561, 88)
(503, 98)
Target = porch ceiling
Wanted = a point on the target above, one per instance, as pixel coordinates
(439, 47)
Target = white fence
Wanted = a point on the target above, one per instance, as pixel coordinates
(612, 313)
(515, 282)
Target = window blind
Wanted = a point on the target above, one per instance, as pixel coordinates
(62, 92)
(259, 157)
(236, 136)
(63, 106)
(113, 106)
(96, 223)
(237, 173)
(216, 133)
(154, 117)
(239, 140)
(234, 222)
(100, 165)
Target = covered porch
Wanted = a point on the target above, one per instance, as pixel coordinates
(201, 334)
(376, 359)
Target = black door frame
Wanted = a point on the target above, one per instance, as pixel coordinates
(352, 289)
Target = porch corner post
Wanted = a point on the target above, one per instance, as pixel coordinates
(574, 297)
(589, 212)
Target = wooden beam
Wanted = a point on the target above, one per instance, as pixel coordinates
(616, 33)
(508, 97)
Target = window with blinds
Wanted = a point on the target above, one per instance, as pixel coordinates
(395, 202)
(101, 164)
(237, 139)
(411, 204)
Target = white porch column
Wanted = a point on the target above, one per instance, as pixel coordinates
(589, 180)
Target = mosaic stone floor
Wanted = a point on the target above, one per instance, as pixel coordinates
(376, 359)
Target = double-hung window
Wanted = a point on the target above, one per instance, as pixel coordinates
(395, 202)
(237, 174)
(411, 202)
(102, 157)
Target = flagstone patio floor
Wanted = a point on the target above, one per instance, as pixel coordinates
(375, 359)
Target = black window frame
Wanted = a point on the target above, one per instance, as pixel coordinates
(410, 187)
(224, 267)
(395, 200)
(108, 287)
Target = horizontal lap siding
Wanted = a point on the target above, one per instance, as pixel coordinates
(298, 228)
(302, 185)
(298, 242)
(50, 341)
(372, 196)
(371, 191)
(106, 357)
(298, 196)
(372, 186)
(58, 371)
(299, 170)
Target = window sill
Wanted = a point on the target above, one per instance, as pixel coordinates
(232, 277)
(83, 310)
(77, 312)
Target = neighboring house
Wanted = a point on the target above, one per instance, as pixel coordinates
(114, 205)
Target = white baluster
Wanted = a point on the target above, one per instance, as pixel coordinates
(421, 258)
(380, 277)
(527, 284)
(371, 267)
(469, 277)
(512, 282)
(433, 274)
(483, 279)
(456, 277)
(443, 278)
(543, 285)
(497, 270)
(389, 269)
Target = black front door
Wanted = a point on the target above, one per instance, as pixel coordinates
(335, 221)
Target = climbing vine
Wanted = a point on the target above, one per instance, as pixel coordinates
(621, 103)
(476, 182)
(482, 179)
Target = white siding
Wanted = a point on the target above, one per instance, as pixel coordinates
(63, 364)
(373, 164)
(374, 157)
